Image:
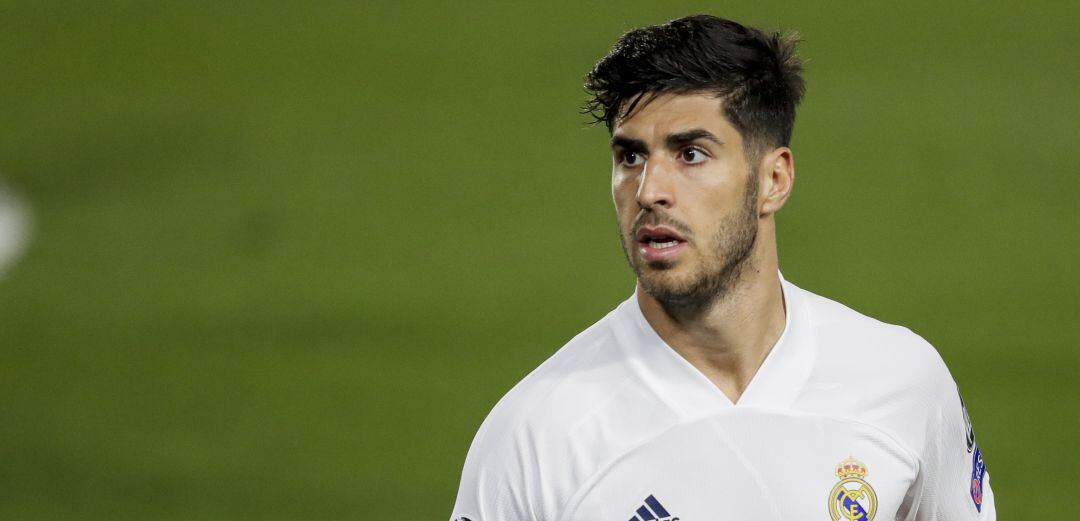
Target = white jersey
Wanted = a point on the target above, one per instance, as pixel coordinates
(848, 418)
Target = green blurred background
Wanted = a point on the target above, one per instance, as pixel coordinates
(285, 257)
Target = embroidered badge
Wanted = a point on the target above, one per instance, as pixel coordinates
(978, 470)
(978, 466)
(852, 499)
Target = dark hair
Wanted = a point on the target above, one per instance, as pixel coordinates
(758, 75)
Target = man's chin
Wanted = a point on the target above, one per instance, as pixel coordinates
(664, 280)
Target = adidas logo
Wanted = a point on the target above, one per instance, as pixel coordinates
(652, 510)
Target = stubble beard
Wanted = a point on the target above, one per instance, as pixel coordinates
(719, 274)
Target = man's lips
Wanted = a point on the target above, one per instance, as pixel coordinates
(658, 234)
(656, 243)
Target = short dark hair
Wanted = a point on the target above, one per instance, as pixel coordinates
(757, 74)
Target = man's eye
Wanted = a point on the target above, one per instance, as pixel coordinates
(692, 156)
(632, 159)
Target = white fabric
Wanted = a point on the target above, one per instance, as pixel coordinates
(616, 416)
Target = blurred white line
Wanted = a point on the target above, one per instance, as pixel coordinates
(15, 226)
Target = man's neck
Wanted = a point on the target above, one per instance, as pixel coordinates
(729, 341)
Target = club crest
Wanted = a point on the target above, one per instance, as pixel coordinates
(852, 499)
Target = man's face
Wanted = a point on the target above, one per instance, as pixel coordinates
(686, 199)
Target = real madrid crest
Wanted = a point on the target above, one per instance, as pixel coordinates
(852, 499)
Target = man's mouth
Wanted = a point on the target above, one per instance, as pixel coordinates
(658, 236)
(657, 243)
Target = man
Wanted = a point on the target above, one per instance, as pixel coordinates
(719, 390)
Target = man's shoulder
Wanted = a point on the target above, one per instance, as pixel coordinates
(876, 372)
(568, 418)
(589, 378)
(577, 368)
(849, 337)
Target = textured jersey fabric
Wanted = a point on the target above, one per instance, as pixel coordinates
(847, 416)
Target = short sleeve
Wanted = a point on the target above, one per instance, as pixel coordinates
(954, 480)
(496, 477)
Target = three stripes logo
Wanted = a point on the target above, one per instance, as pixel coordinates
(652, 510)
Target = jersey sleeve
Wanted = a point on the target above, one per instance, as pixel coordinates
(496, 478)
(955, 485)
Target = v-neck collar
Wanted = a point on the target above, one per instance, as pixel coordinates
(776, 384)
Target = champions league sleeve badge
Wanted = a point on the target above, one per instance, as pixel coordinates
(978, 466)
(852, 499)
(978, 470)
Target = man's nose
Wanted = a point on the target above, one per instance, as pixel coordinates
(655, 185)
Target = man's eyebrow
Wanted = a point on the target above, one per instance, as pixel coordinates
(681, 138)
(630, 145)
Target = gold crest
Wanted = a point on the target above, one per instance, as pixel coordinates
(852, 499)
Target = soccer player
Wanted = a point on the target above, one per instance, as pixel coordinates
(719, 390)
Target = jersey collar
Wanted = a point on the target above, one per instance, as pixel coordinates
(776, 384)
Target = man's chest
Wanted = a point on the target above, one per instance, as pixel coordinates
(749, 465)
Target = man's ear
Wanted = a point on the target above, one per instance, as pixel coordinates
(777, 168)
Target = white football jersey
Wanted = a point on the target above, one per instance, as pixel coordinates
(848, 418)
